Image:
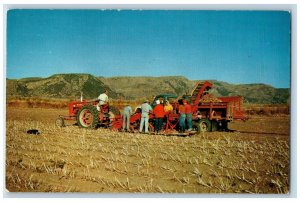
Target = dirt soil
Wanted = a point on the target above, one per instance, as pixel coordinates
(253, 158)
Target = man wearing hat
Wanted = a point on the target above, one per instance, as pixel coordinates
(103, 100)
(146, 108)
(159, 115)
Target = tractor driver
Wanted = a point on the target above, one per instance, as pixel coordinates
(103, 100)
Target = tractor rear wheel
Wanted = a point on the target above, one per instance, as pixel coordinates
(205, 125)
(88, 117)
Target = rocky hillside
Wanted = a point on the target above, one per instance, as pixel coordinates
(253, 93)
(135, 87)
(70, 86)
(58, 86)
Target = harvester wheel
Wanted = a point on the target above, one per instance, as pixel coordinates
(60, 122)
(88, 117)
(196, 127)
(224, 125)
(214, 126)
(204, 125)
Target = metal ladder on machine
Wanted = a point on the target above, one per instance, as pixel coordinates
(199, 88)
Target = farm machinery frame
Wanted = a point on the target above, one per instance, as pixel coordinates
(209, 113)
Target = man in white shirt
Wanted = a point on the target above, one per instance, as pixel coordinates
(146, 108)
(103, 99)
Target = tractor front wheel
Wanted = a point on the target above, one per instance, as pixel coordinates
(60, 122)
(88, 117)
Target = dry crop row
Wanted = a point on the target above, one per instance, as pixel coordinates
(78, 160)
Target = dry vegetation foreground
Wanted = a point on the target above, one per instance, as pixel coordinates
(252, 159)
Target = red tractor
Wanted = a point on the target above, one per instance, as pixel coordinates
(88, 114)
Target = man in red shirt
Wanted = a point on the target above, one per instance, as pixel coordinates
(181, 110)
(159, 113)
(188, 112)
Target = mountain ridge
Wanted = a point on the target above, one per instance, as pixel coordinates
(135, 87)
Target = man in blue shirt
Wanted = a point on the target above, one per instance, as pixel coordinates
(146, 108)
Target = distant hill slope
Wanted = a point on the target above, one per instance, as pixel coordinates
(58, 86)
(253, 93)
(136, 87)
(70, 86)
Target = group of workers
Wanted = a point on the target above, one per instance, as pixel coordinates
(160, 110)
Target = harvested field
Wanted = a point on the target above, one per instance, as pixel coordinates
(254, 158)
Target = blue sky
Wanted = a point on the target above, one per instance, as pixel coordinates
(231, 46)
